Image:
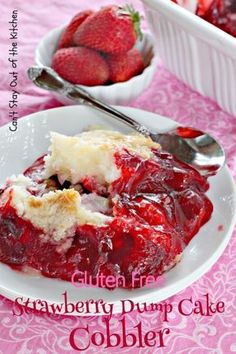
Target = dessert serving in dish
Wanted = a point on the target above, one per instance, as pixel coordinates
(221, 13)
(18, 151)
(103, 203)
(195, 50)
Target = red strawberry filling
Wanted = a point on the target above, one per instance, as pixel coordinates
(221, 13)
(157, 205)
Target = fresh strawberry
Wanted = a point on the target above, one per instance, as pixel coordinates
(66, 39)
(111, 30)
(124, 66)
(80, 65)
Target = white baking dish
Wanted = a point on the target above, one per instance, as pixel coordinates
(198, 53)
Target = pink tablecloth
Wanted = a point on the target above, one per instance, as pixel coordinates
(49, 334)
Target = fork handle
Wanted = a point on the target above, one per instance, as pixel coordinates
(77, 93)
(46, 78)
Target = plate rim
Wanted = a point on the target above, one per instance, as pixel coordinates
(170, 289)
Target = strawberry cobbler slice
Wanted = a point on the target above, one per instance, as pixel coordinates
(104, 203)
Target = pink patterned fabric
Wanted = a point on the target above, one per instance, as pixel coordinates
(167, 96)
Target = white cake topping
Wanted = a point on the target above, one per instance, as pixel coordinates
(95, 203)
(56, 213)
(92, 154)
(21, 181)
(21, 184)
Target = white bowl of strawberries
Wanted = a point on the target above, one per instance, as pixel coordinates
(105, 52)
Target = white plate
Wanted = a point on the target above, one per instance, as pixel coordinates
(18, 150)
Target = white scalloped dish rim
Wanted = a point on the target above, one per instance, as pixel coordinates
(201, 27)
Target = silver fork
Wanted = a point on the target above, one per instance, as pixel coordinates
(201, 151)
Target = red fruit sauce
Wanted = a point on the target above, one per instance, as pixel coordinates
(161, 205)
(186, 132)
(221, 13)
